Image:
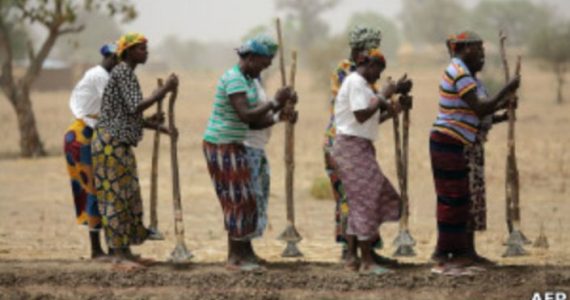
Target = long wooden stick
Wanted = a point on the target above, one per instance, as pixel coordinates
(281, 55)
(515, 188)
(512, 174)
(405, 146)
(290, 148)
(178, 220)
(154, 169)
(399, 161)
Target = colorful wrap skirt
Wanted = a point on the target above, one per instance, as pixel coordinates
(372, 199)
(478, 209)
(260, 181)
(118, 191)
(451, 176)
(77, 149)
(341, 207)
(231, 176)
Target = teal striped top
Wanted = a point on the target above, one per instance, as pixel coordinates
(224, 125)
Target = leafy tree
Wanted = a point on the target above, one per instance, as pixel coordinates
(431, 21)
(518, 18)
(551, 44)
(390, 32)
(59, 18)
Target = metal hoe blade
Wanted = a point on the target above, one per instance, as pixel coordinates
(180, 254)
(515, 244)
(292, 237)
(405, 243)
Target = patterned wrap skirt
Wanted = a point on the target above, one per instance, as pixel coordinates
(231, 176)
(372, 199)
(118, 191)
(77, 149)
(451, 177)
(341, 207)
(260, 181)
(478, 210)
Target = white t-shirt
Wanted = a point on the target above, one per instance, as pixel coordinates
(355, 94)
(258, 138)
(87, 94)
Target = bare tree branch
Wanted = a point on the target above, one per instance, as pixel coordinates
(7, 76)
(31, 54)
(36, 65)
(71, 29)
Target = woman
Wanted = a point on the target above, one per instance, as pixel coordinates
(236, 110)
(475, 154)
(372, 199)
(119, 129)
(85, 104)
(360, 39)
(462, 109)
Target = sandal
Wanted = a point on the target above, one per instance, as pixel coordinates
(383, 260)
(375, 270)
(245, 267)
(450, 270)
(127, 266)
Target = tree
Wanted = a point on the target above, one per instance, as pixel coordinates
(99, 29)
(517, 18)
(59, 18)
(431, 21)
(551, 44)
(390, 32)
(305, 14)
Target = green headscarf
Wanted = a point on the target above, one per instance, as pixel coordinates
(262, 44)
(365, 38)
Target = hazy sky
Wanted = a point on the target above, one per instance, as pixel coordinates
(229, 20)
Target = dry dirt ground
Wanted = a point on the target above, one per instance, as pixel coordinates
(43, 253)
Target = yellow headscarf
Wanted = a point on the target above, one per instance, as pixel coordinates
(128, 40)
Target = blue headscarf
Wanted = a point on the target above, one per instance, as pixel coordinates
(108, 49)
(263, 45)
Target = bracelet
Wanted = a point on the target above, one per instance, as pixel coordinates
(277, 117)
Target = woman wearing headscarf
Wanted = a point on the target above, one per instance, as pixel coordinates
(360, 39)
(463, 109)
(85, 105)
(475, 154)
(237, 109)
(119, 129)
(372, 199)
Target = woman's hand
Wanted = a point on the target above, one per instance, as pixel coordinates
(284, 95)
(388, 89)
(171, 83)
(404, 85)
(156, 118)
(514, 84)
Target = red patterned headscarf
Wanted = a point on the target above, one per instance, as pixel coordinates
(463, 37)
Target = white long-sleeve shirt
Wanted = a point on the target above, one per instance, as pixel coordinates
(258, 138)
(85, 101)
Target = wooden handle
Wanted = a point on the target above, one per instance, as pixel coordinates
(177, 201)
(281, 51)
(154, 167)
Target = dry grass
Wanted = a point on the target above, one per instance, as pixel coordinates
(36, 211)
